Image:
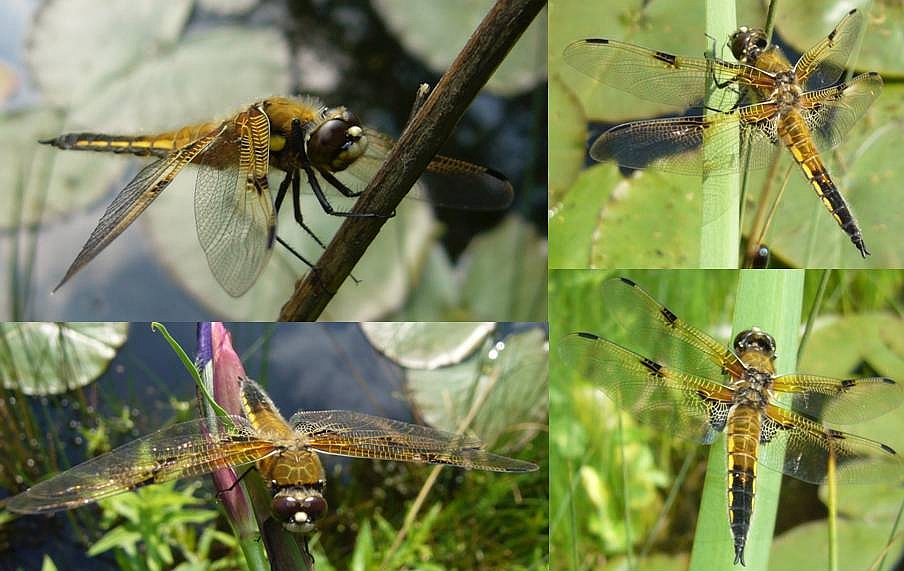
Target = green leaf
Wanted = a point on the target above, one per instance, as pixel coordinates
(499, 285)
(427, 345)
(52, 358)
(135, 27)
(505, 395)
(862, 543)
(435, 36)
(606, 220)
(362, 557)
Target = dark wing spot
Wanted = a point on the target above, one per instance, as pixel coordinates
(652, 365)
(667, 58)
(586, 335)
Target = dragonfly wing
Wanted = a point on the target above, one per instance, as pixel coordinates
(840, 401)
(649, 74)
(179, 451)
(233, 207)
(805, 447)
(347, 433)
(448, 182)
(681, 404)
(133, 199)
(676, 145)
(657, 332)
(822, 65)
(831, 113)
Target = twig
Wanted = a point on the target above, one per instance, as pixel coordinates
(419, 142)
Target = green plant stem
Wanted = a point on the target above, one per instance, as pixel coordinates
(720, 232)
(772, 301)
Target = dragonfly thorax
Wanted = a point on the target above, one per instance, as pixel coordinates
(787, 92)
(753, 389)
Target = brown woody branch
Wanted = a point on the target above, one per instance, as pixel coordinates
(419, 142)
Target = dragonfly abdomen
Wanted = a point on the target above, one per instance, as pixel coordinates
(795, 135)
(743, 434)
(158, 145)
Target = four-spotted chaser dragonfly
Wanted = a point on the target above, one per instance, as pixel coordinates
(285, 453)
(686, 383)
(799, 107)
(234, 211)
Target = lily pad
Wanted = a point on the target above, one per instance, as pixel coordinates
(804, 23)
(567, 139)
(435, 36)
(860, 544)
(125, 32)
(52, 358)
(608, 221)
(386, 272)
(491, 392)
(427, 345)
(497, 283)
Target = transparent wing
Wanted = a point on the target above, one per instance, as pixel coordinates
(840, 401)
(654, 75)
(808, 446)
(676, 145)
(179, 451)
(233, 205)
(656, 332)
(359, 435)
(831, 113)
(133, 199)
(692, 407)
(823, 64)
(449, 182)
(678, 403)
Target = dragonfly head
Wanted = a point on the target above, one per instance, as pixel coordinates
(298, 509)
(755, 340)
(336, 141)
(747, 44)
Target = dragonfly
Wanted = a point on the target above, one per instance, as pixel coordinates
(325, 149)
(284, 452)
(686, 383)
(802, 107)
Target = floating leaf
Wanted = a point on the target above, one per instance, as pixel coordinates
(77, 46)
(501, 391)
(436, 36)
(52, 358)
(427, 345)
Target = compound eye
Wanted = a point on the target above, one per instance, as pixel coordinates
(330, 138)
(290, 509)
(761, 43)
(314, 506)
(336, 143)
(285, 507)
(755, 340)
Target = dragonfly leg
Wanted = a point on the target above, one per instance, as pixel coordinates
(325, 204)
(296, 206)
